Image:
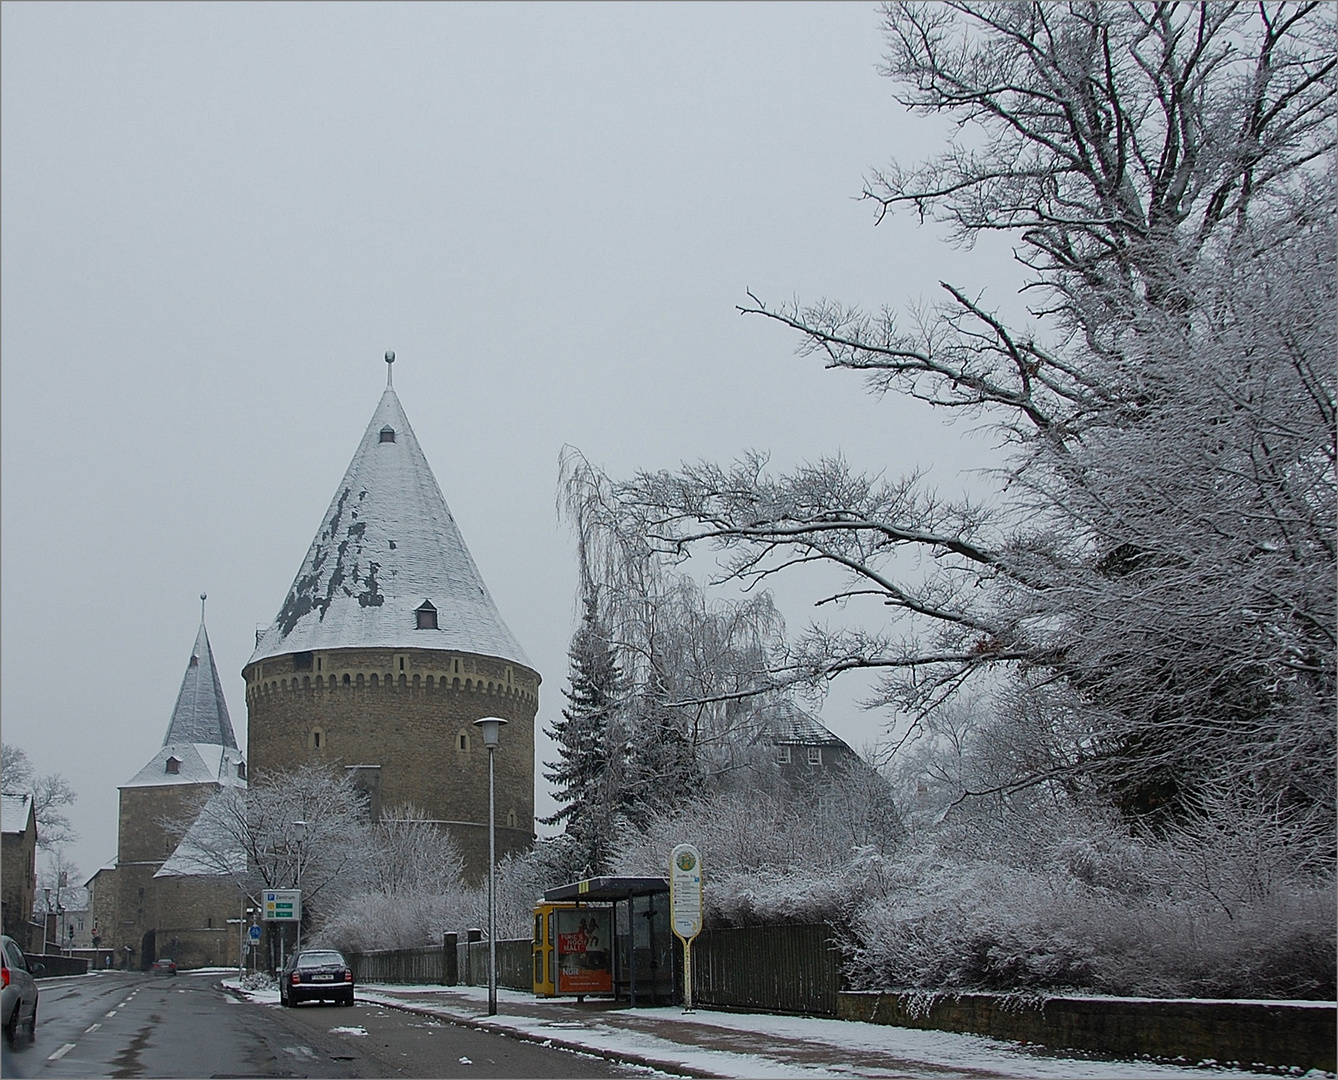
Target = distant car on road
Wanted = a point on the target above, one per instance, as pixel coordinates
(18, 995)
(164, 965)
(316, 975)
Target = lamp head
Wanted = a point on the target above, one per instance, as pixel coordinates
(490, 727)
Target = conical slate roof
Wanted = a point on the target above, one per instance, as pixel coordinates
(387, 544)
(201, 714)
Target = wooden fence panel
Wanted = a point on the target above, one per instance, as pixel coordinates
(790, 969)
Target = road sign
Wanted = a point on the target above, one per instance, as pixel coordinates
(685, 891)
(283, 905)
(685, 906)
(254, 934)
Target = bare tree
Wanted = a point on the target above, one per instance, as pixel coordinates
(50, 793)
(305, 829)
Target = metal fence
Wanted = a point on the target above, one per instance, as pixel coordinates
(790, 969)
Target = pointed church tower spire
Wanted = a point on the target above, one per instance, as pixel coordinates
(201, 714)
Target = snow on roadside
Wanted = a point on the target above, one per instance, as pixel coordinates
(902, 1051)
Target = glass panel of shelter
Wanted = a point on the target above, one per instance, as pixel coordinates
(649, 978)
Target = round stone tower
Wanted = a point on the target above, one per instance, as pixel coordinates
(388, 647)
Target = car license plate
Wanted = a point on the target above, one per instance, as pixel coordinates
(322, 978)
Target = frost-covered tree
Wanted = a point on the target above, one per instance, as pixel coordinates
(307, 828)
(50, 793)
(1154, 587)
(581, 774)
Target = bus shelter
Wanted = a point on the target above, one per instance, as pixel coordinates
(606, 935)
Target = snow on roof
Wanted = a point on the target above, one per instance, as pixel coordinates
(388, 543)
(15, 810)
(201, 714)
(784, 722)
(225, 854)
(197, 763)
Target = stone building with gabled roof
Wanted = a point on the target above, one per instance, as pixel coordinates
(18, 864)
(387, 648)
(157, 911)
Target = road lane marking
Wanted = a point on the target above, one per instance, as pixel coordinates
(61, 1052)
(91, 1028)
(112, 1013)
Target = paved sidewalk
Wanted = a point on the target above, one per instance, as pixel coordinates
(707, 1043)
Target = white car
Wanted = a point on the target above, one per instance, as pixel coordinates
(18, 995)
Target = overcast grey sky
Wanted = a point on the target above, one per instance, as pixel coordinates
(216, 218)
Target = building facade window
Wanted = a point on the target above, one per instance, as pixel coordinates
(783, 755)
(387, 434)
(815, 755)
(174, 765)
(427, 616)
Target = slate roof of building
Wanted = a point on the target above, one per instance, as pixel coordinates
(189, 858)
(201, 714)
(199, 735)
(197, 763)
(785, 723)
(15, 810)
(388, 543)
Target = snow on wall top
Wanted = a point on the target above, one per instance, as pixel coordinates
(15, 810)
(201, 714)
(197, 763)
(387, 544)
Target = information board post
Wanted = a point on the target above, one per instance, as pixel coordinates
(282, 906)
(685, 907)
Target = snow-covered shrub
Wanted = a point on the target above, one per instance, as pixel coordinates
(774, 855)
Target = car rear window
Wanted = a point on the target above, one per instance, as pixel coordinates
(319, 959)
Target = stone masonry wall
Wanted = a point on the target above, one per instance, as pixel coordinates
(142, 848)
(192, 921)
(410, 712)
(1297, 1035)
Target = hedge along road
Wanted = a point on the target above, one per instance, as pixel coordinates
(127, 1024)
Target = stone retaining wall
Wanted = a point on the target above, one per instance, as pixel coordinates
(1295, 1034)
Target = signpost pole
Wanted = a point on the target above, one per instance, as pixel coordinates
(685, 906)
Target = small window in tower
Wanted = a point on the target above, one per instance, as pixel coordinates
(511, 819)
(462, 741)
(174, 765)
(194, 661)
(241, 770)
(387, 434)
(427, 616)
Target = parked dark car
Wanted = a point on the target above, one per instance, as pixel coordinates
(316, 975)
(18, 995)
(164, 965)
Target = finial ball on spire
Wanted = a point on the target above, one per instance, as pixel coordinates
(204, 596)
(390, 356)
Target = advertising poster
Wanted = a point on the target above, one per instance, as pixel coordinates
(585, 950)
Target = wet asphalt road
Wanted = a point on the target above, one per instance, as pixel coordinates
(120, 1024)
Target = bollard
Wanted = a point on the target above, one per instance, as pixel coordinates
(450, 960)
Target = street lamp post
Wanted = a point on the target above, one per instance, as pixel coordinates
(300, 830)
(490, 727)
